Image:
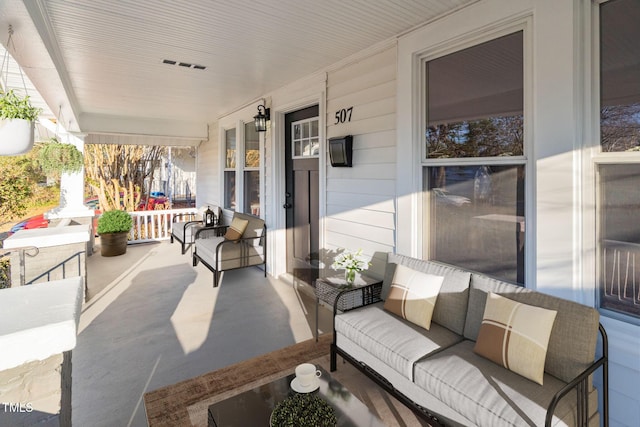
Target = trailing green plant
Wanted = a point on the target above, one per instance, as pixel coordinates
(114, 222)
(55, 158)
(304, 410)
(13, 106)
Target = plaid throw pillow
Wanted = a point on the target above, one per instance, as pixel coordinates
(515, 335)
(413, 295)
(235, 230)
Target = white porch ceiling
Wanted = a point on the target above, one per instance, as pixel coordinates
(101, 61)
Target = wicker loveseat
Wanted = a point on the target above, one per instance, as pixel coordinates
(439, 372)
(219, 254)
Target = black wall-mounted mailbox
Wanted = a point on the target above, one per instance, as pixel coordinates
(341, 151)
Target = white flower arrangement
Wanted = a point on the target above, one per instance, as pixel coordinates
(349, 260)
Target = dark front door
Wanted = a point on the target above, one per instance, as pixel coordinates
(302, 187)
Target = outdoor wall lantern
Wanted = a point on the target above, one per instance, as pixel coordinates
(261, 118)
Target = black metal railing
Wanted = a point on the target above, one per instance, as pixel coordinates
(5, 269)
(62, 266)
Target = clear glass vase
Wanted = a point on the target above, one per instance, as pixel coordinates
(350, 277)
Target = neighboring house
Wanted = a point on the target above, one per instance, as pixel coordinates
(545, 204)
(176, 175)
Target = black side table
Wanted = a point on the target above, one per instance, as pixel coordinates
(328, 288)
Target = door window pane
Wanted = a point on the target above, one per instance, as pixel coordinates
(475, 218)
(475, 101)
(619, 238)
(620, 75)
(305, 141)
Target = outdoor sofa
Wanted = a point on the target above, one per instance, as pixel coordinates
(184, 229)
(243, 244)
(438, 371)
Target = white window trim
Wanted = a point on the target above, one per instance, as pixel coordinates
(593, 158)
(237, 120)
(223, 164)
(259, 168)
(411, 100)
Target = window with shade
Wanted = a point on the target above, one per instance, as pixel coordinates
(473, 162)
(618, 178)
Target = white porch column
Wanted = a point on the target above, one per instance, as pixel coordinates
(72, 189)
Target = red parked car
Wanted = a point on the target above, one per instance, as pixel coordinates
(38, 221)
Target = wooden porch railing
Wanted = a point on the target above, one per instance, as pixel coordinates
(150, 226)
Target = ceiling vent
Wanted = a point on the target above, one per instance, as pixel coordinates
(184, 64)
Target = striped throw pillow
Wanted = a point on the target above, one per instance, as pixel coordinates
(236, 229)
(515, 335)
(413, 295)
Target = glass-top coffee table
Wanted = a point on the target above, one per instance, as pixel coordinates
(254, 407)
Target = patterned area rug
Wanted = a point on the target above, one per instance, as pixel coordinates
(186, 403)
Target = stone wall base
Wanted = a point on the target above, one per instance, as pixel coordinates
(37, 393)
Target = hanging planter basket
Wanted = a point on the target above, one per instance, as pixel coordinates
(16, 136)
(17, 115)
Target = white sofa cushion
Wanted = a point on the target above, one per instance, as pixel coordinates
(234, 255)
(390, 339)
(182, 233)
(488, 394)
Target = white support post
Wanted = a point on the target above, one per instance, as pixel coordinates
(72, 189)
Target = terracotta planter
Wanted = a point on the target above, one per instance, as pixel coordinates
(113, 244)
(16, 136)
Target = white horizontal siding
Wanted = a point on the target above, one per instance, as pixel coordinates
(375, 252)
(360, 210)
(360, 127)
(369, 201)
(370, 171)
(362, 79)
(208, 167)
(379, 219)
(362, 186)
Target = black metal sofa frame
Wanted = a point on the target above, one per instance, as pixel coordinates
(371, 294)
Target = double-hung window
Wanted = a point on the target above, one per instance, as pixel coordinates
(618, 163)
(242, 169)
(230, 169)
(473, 162)
(251, 169)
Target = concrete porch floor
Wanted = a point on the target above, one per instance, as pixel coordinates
(153, 320)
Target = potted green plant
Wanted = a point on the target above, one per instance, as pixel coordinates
(17, 119)
(113, 229)
(303, 410)
(55, 158)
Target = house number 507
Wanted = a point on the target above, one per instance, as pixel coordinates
(343, 115)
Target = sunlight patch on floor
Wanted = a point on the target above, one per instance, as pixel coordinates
(301, 330)
(193, 315)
